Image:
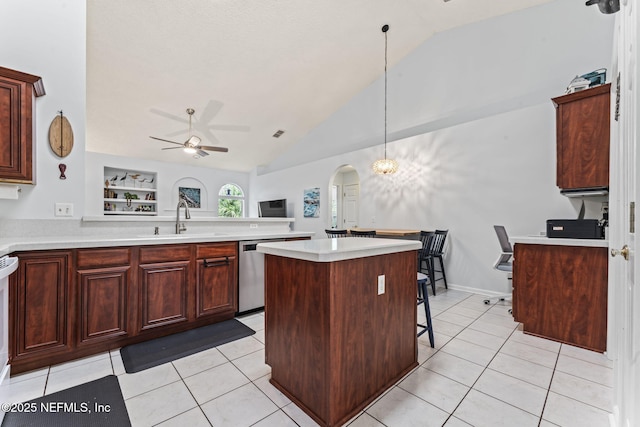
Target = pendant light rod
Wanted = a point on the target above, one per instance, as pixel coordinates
(385, 28)
(385, 166)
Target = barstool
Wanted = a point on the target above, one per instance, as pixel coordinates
(423, 298)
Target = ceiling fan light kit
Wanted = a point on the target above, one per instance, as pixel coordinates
(192, 144)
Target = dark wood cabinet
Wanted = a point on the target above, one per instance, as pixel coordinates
(582, 138)
(163, 285)
(104, 294)
(560, 293)
(39, 321)
(17, 109)
(70, 304)
(216, 279)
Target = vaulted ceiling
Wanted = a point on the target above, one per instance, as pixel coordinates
(247, 67)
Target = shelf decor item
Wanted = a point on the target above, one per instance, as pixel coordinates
(128, 192)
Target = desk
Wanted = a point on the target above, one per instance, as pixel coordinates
(393, 233)
(332, 342)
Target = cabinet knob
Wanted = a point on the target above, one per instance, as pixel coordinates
(624, 252)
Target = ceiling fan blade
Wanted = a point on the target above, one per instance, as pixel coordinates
(165, 140)
(238, 128)
(169, 116)
(210, 111)
(201, 153)
(171, 148)
(211, 148)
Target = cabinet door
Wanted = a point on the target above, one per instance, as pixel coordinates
(16, 124)
(216, 285)
(103, 303)
(582, 121)
(163, 294)
(41, 316)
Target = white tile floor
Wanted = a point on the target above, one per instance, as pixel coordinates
(483, 372)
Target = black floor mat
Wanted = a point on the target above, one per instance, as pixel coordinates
(97, 403)
(145, 355)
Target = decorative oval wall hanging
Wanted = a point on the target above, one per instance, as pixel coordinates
(61, 136)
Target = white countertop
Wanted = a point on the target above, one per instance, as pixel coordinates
(544, 240)
(338, 249)
(13, 244)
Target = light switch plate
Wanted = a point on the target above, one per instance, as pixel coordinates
(64, 209)
(381, 284)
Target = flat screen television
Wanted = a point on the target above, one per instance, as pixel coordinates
(272, 208)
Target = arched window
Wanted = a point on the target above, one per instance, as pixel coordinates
(231, 201)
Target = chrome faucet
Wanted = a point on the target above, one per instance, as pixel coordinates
(181, 227)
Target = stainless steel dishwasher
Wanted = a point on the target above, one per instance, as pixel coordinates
(251, 276)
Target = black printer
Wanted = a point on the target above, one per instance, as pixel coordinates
(575, 229)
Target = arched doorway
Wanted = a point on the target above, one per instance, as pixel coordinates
(344, 195)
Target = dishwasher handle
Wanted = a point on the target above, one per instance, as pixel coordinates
(248, 247)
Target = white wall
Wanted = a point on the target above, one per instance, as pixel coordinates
(47, 38)
(475, 103)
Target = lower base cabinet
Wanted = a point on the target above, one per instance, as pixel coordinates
(38, 313)
(560, 293)
(69, 304)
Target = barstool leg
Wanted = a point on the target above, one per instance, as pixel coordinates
(427, 311)
(444, 276)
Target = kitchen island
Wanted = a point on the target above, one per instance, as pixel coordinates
(340, 321)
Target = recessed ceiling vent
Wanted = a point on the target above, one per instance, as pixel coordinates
(278, 133)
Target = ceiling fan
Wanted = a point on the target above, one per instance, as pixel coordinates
(192, 144)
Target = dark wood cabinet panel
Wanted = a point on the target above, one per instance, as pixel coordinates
(163, 294)
(582, 138)
(560, 292)
(332, 342)
(17, 108)
(103, 303)
(216, 279)
(102, 257)
(216, 285)
(40, 320)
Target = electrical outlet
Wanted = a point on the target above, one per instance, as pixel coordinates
(253, 225)
(381, 284)
(64, 209)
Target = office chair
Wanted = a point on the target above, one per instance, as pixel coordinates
(335, 233)
(504, 261)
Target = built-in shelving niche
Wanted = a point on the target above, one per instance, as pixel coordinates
(129, 192)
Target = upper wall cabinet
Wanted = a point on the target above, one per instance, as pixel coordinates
(582, 132)
(17, 125)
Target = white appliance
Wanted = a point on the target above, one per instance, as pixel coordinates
(7, 266)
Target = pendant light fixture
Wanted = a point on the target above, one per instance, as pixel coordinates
(385, 166)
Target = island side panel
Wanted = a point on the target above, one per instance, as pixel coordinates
(332, 342)
(373, 337)
(297, 330)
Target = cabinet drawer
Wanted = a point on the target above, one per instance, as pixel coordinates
(103, 257)
(150, 254)
(213, 250)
